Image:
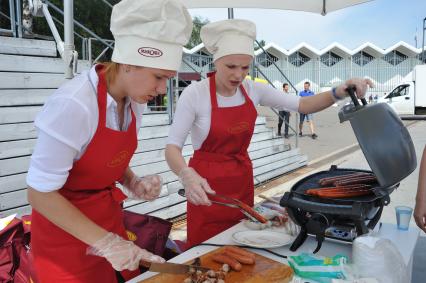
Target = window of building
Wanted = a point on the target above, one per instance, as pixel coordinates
(265, 60)
(362, 58)
(298, 59)
(394, 57)
(330, 58)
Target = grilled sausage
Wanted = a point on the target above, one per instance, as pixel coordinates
(357, 180)
(253, 213)
(344, 194)
(240, 258)
(330, 180)
(223, 258)
(314, 191)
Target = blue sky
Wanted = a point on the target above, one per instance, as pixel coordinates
(382, 22)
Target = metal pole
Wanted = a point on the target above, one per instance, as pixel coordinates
(19, 17)
(68, 37)
(169, 99)
(423, 41)
(230, 13)
(12, 17)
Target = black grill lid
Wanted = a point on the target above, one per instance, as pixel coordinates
(383, 138)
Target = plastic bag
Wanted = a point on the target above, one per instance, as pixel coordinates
(378, 258)
(320, 269)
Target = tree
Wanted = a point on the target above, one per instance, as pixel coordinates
(262, 43)
(198, 23)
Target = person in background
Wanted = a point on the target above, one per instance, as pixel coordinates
(87, 134)
(285, 115)
(420, 208)
(306, 92)
(370, 98)
(219, 112)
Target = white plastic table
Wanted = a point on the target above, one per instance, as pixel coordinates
(405, 241)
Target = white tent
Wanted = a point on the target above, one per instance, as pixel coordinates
(315, 6)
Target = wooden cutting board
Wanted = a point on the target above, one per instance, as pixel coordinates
(264, 270)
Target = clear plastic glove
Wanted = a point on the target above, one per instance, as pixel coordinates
(146, 188)
(122, 254)
(195, 186)
(361, 86)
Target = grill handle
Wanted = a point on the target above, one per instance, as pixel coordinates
(293, 201)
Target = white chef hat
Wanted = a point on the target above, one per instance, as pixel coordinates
(229, 37)
(150, 33)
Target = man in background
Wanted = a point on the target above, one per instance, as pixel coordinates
(308, 117)
(285, 115)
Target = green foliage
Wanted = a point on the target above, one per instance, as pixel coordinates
(195, 39)
(261, 42)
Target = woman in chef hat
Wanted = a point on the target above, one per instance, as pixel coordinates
(220, 114)
(87, 136)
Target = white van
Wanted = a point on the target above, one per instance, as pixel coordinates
(409, 97)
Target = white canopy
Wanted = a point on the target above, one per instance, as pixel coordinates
(315, 6)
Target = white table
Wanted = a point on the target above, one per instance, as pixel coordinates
(405, 241)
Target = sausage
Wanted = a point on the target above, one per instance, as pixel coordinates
(252, 212)
(315, 191)
(240, 251)
(330, 180)
(353, 181)
(344, 194)
(240, 258)
(222, 258)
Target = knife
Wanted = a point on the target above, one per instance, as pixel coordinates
(174, 268)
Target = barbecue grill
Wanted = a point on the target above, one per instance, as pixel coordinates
(389, 151)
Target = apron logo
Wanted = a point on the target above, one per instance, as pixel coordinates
(150, 52)
(238, 128)
(119, 159)
(131, 236)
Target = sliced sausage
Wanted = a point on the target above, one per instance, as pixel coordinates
(223, 258)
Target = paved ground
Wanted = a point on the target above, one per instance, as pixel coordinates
(332, 135)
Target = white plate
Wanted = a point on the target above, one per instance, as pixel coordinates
(262, 239)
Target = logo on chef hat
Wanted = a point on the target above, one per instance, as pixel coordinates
(150, 52)
(119, 159)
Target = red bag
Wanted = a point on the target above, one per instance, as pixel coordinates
(147, 232)
(15, 256)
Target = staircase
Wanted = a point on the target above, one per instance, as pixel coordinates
(30, 72)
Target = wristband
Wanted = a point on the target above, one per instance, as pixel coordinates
(333, 93)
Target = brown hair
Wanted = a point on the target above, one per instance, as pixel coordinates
(111, 71)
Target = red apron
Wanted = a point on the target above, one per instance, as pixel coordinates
(223, 160)
(60, 257)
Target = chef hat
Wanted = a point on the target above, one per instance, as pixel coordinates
(229, 37)
(150, 33)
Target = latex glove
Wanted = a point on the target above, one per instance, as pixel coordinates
(146, 188)
(361, 86)
(122, 254)
(195, 186)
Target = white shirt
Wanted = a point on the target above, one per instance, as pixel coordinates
(66, 125)
(193, 110)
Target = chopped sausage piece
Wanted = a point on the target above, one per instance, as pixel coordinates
(222, 258)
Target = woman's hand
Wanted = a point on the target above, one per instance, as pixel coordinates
(195, 186)
(122, 254)
(145, 188)
(361, 86)
(420, 214)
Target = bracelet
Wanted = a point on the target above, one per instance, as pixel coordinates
(333, 93)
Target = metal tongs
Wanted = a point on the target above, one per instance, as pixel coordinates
(234, 203)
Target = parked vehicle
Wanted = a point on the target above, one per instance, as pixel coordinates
(409, 97)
